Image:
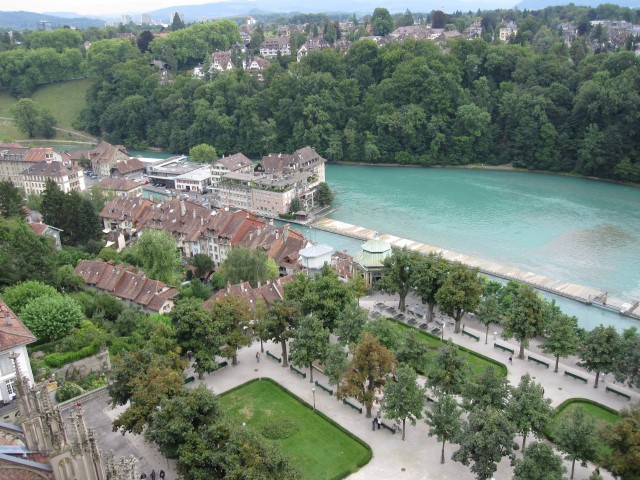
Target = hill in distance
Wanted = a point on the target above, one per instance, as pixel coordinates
(29, 20)
(540, 4)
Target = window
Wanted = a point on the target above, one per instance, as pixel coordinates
(10, 388)
(6, 365)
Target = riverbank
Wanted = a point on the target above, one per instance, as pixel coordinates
(579, 293)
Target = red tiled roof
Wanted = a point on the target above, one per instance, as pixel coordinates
(128, 166)
(118, 184)
(38, 154)
(13, 332)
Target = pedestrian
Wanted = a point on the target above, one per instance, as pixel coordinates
(510, 359)
(373, 424)
(162, 474)
(144, 475)
(258, 357)
(153, 475)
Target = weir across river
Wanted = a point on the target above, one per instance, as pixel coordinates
(579, 293)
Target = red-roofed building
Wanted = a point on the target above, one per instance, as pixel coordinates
(105, 157)
(14, 338)
(41, 229)
(128, 285)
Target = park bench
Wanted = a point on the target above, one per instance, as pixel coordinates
(471, 335)
(322, 387)
(617, 392)
(299, 372)
(577, 377)
(352, 405)
(435, 330)
(221, 365)
(384, 425)
(189, 379)
(423, 326)
(538, 361)
(412, 321)
(277, 359)
(502, 347)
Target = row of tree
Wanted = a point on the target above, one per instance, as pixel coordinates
(517, 307)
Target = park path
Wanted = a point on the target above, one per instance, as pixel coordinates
(417, 458)
(58, 129)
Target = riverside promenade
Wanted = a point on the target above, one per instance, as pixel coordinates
(418, 458)
(569, 290)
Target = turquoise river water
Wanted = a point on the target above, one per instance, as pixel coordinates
(582, 231)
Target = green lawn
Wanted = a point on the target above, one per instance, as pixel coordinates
(321, 449)
(477, 362)
(64, 100)
(604, 417)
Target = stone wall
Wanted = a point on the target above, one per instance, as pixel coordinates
(96, 363)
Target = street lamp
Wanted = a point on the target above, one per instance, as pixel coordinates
(314, 398)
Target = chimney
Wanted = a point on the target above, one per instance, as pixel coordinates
(201, 221)
(285, 231)
(193, 212)
(183, 208)
(271, 221)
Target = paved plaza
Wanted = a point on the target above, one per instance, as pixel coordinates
(416, 458)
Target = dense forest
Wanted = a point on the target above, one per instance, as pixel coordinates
(537, 102)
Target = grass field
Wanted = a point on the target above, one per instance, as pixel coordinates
(64, 100)
(320, 448)
(603, 416)
(478, 363)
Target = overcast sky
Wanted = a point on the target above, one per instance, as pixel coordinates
(93, 7)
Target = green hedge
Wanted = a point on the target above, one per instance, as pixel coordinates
(57, 360)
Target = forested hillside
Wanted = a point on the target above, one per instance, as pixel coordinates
(536, 102)
(410, 103)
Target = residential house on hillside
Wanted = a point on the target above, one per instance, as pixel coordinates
(221, 61)
(130, 168)
(65, 175)
(236, 163)
(120, 187)
(105, 157)
(128, 285)
(14, 338)
(41, 229)
(508, 31)
(271, 47)
(256, 66)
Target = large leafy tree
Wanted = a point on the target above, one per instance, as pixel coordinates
(248, 265)
(33, 119)
(627, 365)
(428, 275)
(232, 316)
(599, 350)
(561, 332)
(403, 397)
(203, 153)
(23, 254)
(539, 463)
(202, 264)
(490, 390)
(624, 440)
(324, 195)
(368, 370)
(486, 438)
(323, 295)
(414, 351)
(336, 363)
(490, 311)
(280, 324)
(180, 417)
(444, 420)
(10, 199)
(350, 324)
(449, 370)
(396, 274)
(18, 296)
(310, 343)
(382, 22)
(158, 252)
(198, 332)
(528, 409)
(51, 317)
(576, 437)
(460, 292)
(525, 318)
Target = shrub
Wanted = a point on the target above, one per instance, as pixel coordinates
(67, 391)
(52, 317)
(278, 428)
(57, 360)
(18, 296)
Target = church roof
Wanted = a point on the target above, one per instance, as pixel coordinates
(375, 245)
